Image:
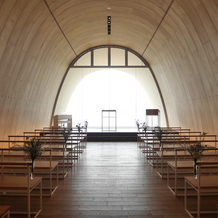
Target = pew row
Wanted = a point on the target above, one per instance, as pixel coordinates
(205, 187)
(21, 186)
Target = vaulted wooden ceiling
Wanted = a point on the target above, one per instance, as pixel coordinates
(39, 39)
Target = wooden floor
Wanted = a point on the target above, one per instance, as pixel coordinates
(112, 180)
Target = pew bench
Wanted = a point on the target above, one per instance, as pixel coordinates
(22, 186)
(204, 186)
(12, 154)
(177, 170)
(45, 169)
(164, 156)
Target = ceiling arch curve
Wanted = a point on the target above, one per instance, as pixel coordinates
(40, 38)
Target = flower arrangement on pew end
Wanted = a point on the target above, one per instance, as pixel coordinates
(79, 127)
(196, 151)
(138, 125)
(145, 127)
(142, 126)
(158, 133)
(86, 125)
(66, 133)
(34, 149)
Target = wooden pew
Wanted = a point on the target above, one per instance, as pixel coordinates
(178, 169)
(76, 140)
(204, 186)
(175, 138)
(176, 141)
(21, 186)
(17, 153)
(46, 169)
(55, 142)
(171, 140)
(164, 156)
(55, 155)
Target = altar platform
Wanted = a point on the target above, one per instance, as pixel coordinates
(123, 134)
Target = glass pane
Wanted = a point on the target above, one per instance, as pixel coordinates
(134, 60)
(85, 60)
(101, 57)
(117, 57)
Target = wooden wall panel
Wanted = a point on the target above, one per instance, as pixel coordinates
(187, 63)
(34, 57)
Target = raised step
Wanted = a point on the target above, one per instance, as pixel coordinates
(112, 136)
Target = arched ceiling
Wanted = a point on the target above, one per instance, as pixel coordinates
(40, 38)
(84, 23)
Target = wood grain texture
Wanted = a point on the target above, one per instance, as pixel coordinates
(113, 180)
(39, 39)
(186, 64)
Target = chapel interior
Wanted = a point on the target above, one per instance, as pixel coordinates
(119, 100)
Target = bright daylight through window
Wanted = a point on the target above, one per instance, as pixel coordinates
(108, 89)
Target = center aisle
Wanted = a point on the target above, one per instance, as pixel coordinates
(112, 180)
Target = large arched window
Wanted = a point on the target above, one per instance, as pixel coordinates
(109, 78)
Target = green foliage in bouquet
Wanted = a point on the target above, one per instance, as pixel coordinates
(145, 127)
(158, 133)
(33, 148)
(196, 150)
(66, 132)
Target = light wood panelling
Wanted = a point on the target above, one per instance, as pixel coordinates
(32, 66)
(186, 64)
(39, 39)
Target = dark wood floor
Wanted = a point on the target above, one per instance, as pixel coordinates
(112, 179)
